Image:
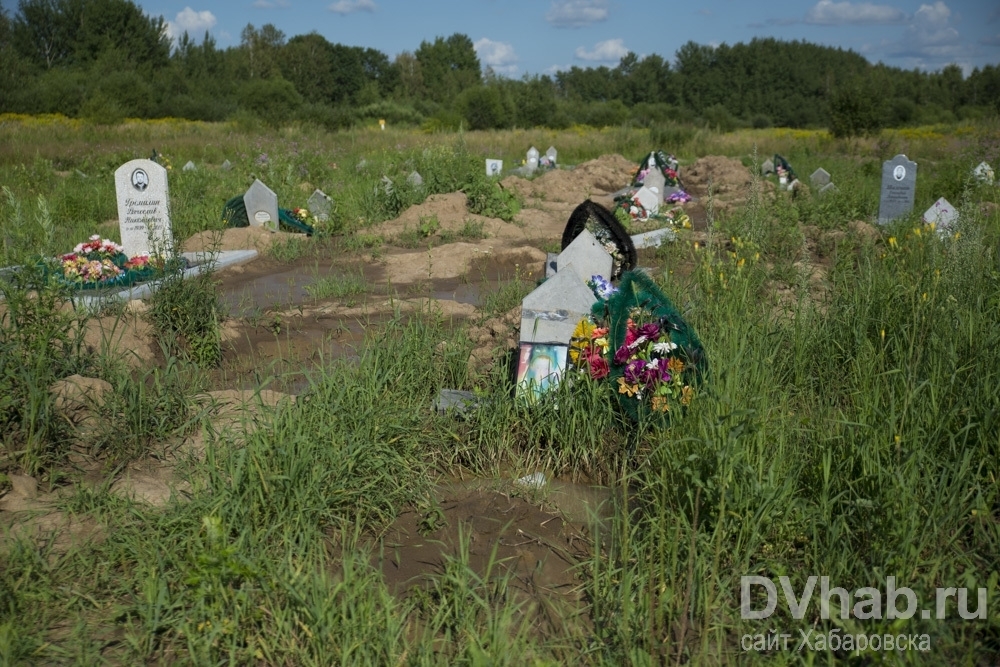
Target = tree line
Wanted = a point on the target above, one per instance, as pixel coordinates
(106, 60)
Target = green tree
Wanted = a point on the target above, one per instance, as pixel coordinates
(857, 108)
(483, 108)
(260, 50)
(448, 66)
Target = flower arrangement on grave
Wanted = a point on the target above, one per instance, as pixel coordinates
(632, 209)
(636, 340)
(101, 262)
(678, 197)
(660, 160)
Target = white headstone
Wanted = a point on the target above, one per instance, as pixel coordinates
(551, 154)
(828, 189)
(494, 167)
(320, 205)
(189, 166)
(227, 165)
(656, 182)
(531, 159)
(144, 208)
(551, 312)
(586, 256)
(649, 199)
(820, 177)
(767, 168)
(415, 179)
(942, 214)
(984, 173)
(262, 206)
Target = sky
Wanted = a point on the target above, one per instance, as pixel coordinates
(518, 37)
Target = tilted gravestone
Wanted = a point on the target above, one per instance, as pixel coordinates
(655, 182)
(494, 167)
(144, 208)
(227, 165)
(899, 185)
(767, 168)
(820, 177)
(551, 312)
(320, 205)
(984, 173)
(262, 206)
(649, 199)
(828, 189)
(587, 256)
(942, 214)
(531, 159)
(189, 166)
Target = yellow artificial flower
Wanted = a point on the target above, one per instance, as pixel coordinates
(687, 393)
(675, 366)
(660, 404)
(626, 388)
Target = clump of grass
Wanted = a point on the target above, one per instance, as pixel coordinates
(185, 314)
(337, 286)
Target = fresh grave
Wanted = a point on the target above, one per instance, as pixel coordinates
(656, 182)
(258, 207)
(787, 180)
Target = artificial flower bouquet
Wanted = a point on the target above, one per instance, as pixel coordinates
(100, 262)
(636, 340)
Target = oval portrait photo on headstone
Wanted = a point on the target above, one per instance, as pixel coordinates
(899, 173)
(140, 180)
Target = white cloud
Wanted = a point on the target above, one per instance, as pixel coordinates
(577, 13)
(931, 35)
(610, 50)
(498, 55)
(192, 22)
(351, 6)
(827, 12)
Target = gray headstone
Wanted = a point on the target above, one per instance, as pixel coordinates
(820, 177)
(653, 239)
(649, 200)
(320, 205)
(262, 206)
(587, 256)
(828, 189)
(531, 159)
(455, 400)
(551, 264)
(551, 154)
(494, 167)
(942, 214)
(415, 179)
(551, 312)
(767, 168)
(899, 185)
(984, 173)
(144, 208)
(227, 165)
(189, 166)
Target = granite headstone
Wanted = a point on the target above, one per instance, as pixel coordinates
(767, 168)
(227, 165)
(899, 185)
(144, 208)
(320, 205)
(551, 312)
(820, 177)
(494, 167)
(262, 206)
(587, 256)
(531, 159)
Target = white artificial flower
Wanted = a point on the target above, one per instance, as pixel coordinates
(664, 348)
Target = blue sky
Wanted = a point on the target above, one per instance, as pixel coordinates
(540, 36)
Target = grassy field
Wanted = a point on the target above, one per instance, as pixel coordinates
(850, 427)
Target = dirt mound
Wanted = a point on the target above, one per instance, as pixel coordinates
(129, 337)
(726, 178)
(538, 550)
(601, 176)
(456, 259)
(236, 238)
